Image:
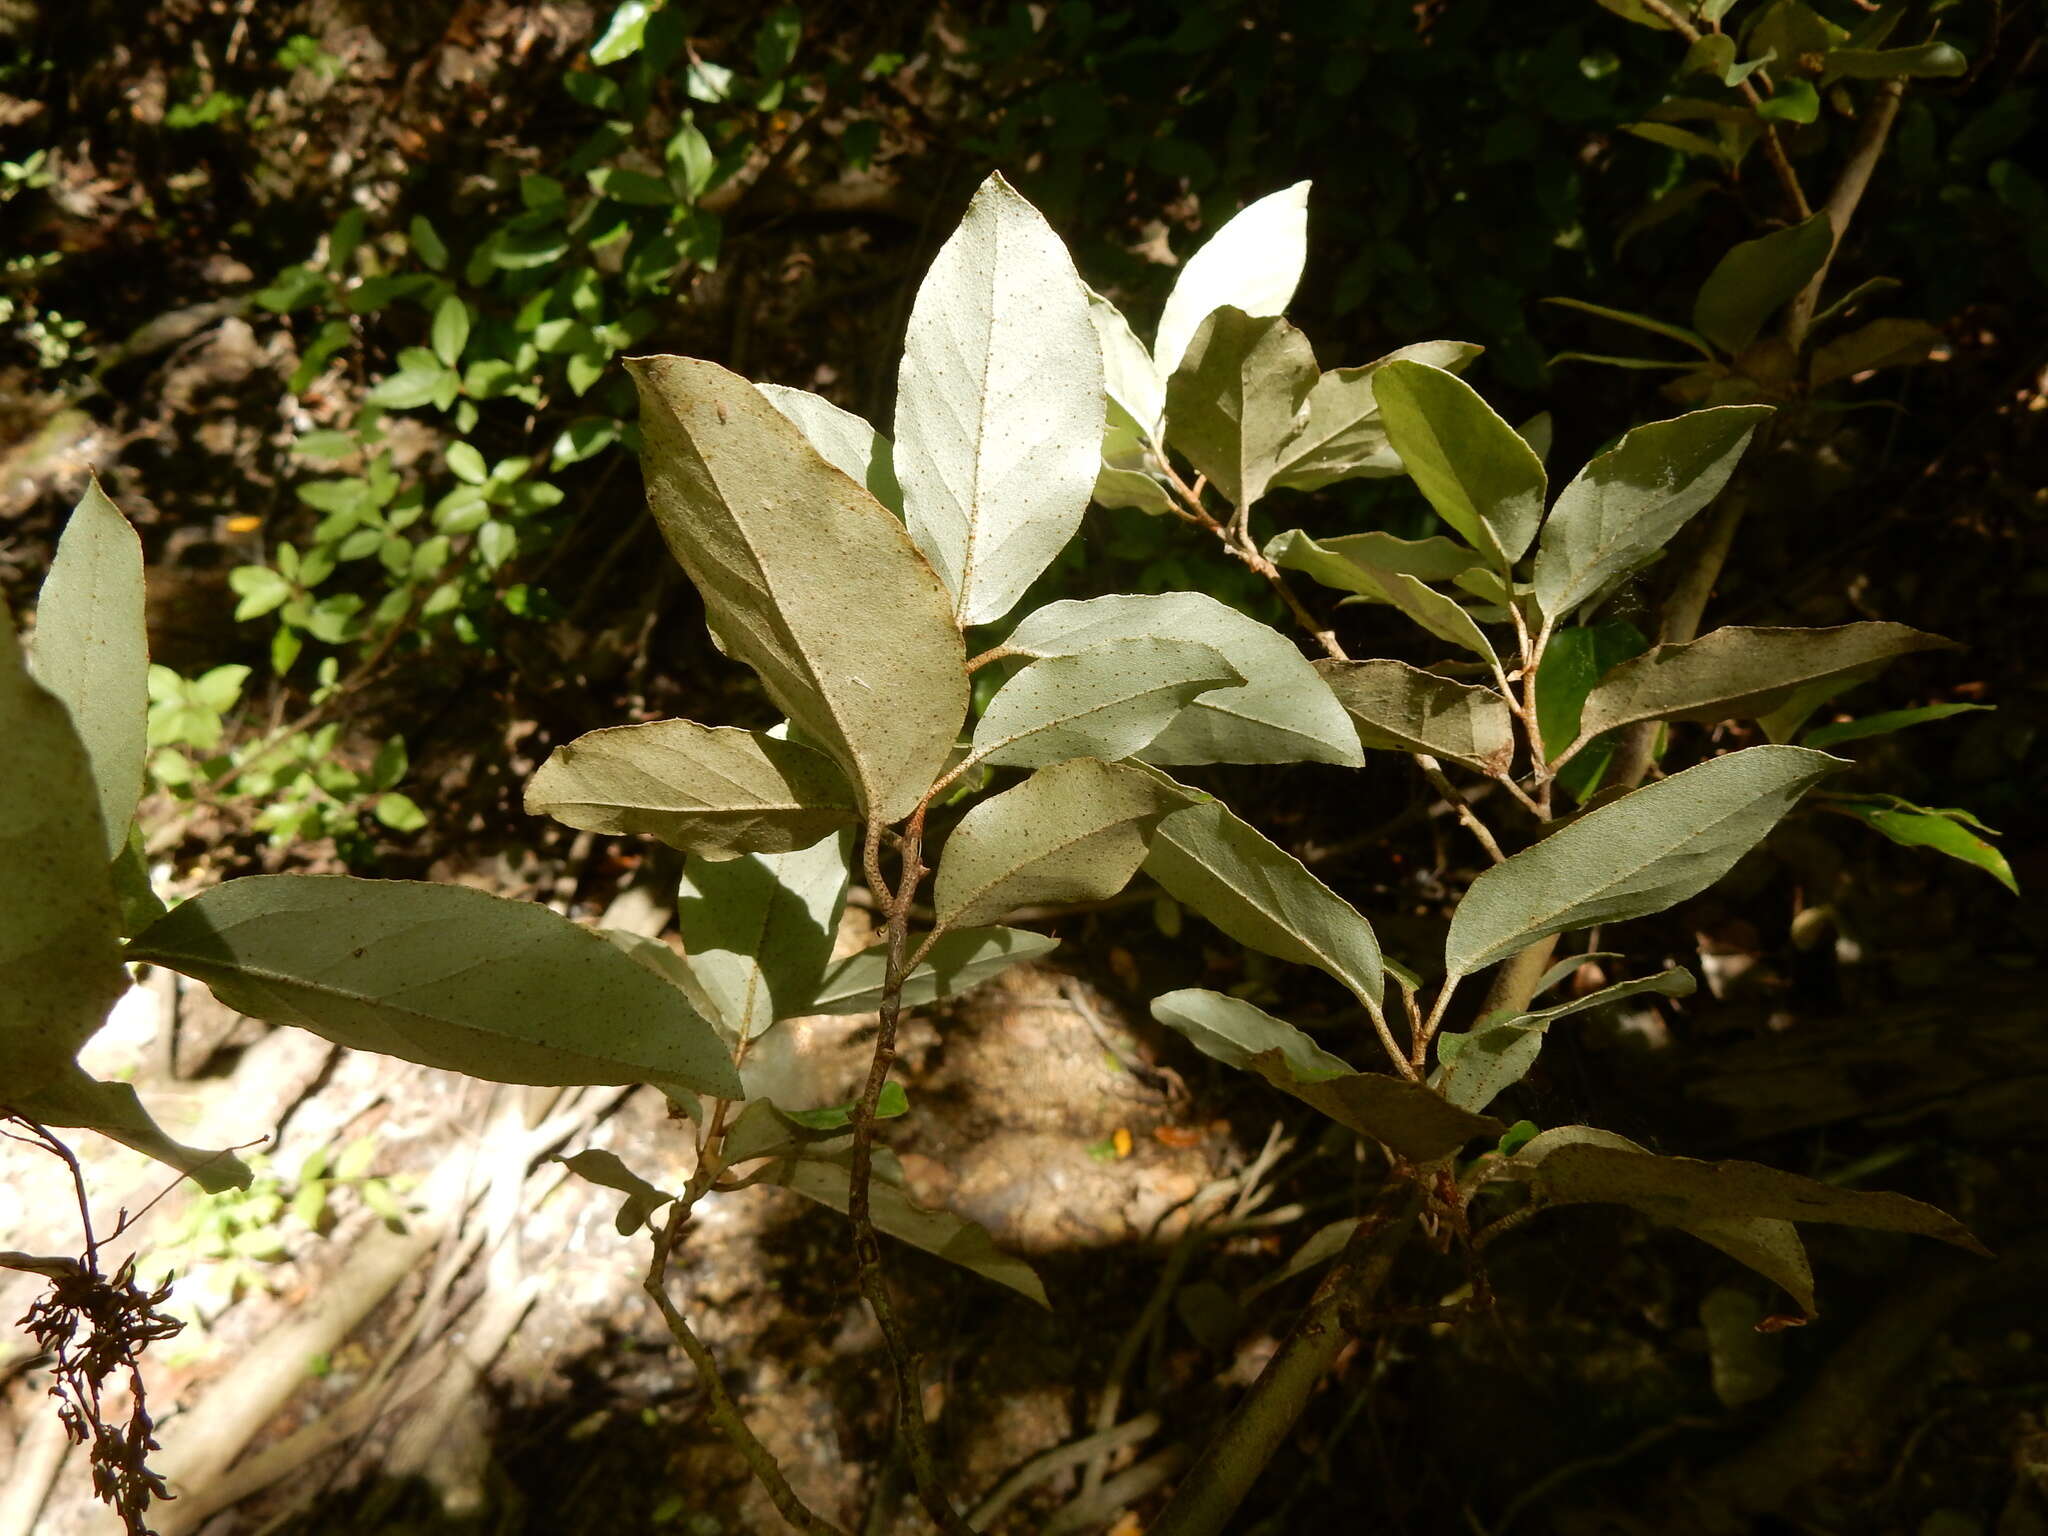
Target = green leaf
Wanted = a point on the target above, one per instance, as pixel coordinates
(624, 33)
(1252, 264)
(60, 960)
(605, 1169)
(1236, 400)
(467, 464)
(1649, 850)
(261, 591)
(952, 1238)
(1741, 673)
(1926, 61)
(758, 930)
(115, 1110)
(1106, 702)
(1498, 1052)
(398, 812)
(1573, 661)
(890, 1104)
(1414, 1120)
(1945, 831)
(1628, 503)
(999, 405)
(1796, 101)
(1262, 896)
(1649, 323)
(441, 975)
(1344, 437)
(1757, 276)
(1436, 613)
(1284, 713)
(1360, 562)
(1073, 832)
(1404, 709)
(1131, 384)
(630, 186)
(714, 791)
(957, 961)
(450, 330)
(415, 384)
(1880, 344)
(843, 440)
(806, 578)
(1883, 724)
(92, 653)
(1130, 488)
(427, 243)
(1473, 467)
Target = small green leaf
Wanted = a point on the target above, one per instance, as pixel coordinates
(441, 975)
(261, 591)
(1436, 613)
(398, 812)
(1882, 724)
(1473, 467)
(891, 1103)
(1414, 1120)
(1360, 562)
(1649, 850)
(1796, 101)
(1574, 660)
(606, 1169)
(707, 790)
(1401, 708)
(467, 464)
(1945, 831)
(624, 33)
(1880, 344)
(450, 329)
(92, 652)
(963, 958)
(1076, 831)
(758, 930)
(426, 242)
(1499, 1051)
(1757, 276)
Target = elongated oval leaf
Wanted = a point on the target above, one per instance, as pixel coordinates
(709, 790)
(964, 958)
(115, 1110)
(1284, 713)
(758, 930)
(1626, 505)
(1344, 437)
(1884, 723)
(999, 404)
(441, 975)
(1235, 402)
(1132, 385)
(1108, 701)
(1440, 615)
(1072, 832)
(806, 578)
(1415, 1121)
(1261, 895)
(1404, 709)
(1476, 470)
(60, 924)
(1740, 673)
(1497, 1053)
(843, 440)
(1946, 832)
(92, 651)
(1576, 658)
(1644, 852)
(1360, 562)
(1252, 263)
(1755, 277)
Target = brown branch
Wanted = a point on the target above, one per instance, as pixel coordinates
(1842, 201)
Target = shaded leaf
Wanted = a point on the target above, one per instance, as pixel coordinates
(1649, 323)
(1883, 724)
(60, 956)
(1649, 850)
(1108, 701)
(1626, 505)
(958, 961)
(1261, 895)
(1415, 1121)
(1344, 436)
(1360, 562)
(1573, 661)
(1436, 613)
(1754, 278)
(1283, 713)
(714, 791)
(1073, 832)
(1740, 673)
(605, 1169)
(1880, 344)
(1235, 402)
(758, 930)
(92, 652)
(806, 578)
(1935, 60)
(999, 404)
(441, 975)
(1116, 487)
(1404, 709)
(1252, 263)
(1474, 468)
(843, 440)
(1498, 1052)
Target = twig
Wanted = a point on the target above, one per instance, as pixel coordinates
(1433, 771)
(1055, 1461)
(1840, 207)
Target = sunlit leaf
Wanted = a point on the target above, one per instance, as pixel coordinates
(758, 930)
(843, 440)
(1107, 702)
(1474, 468)
(1360, 562)
(1252, 263)
(1344, 437)
(959, 960)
